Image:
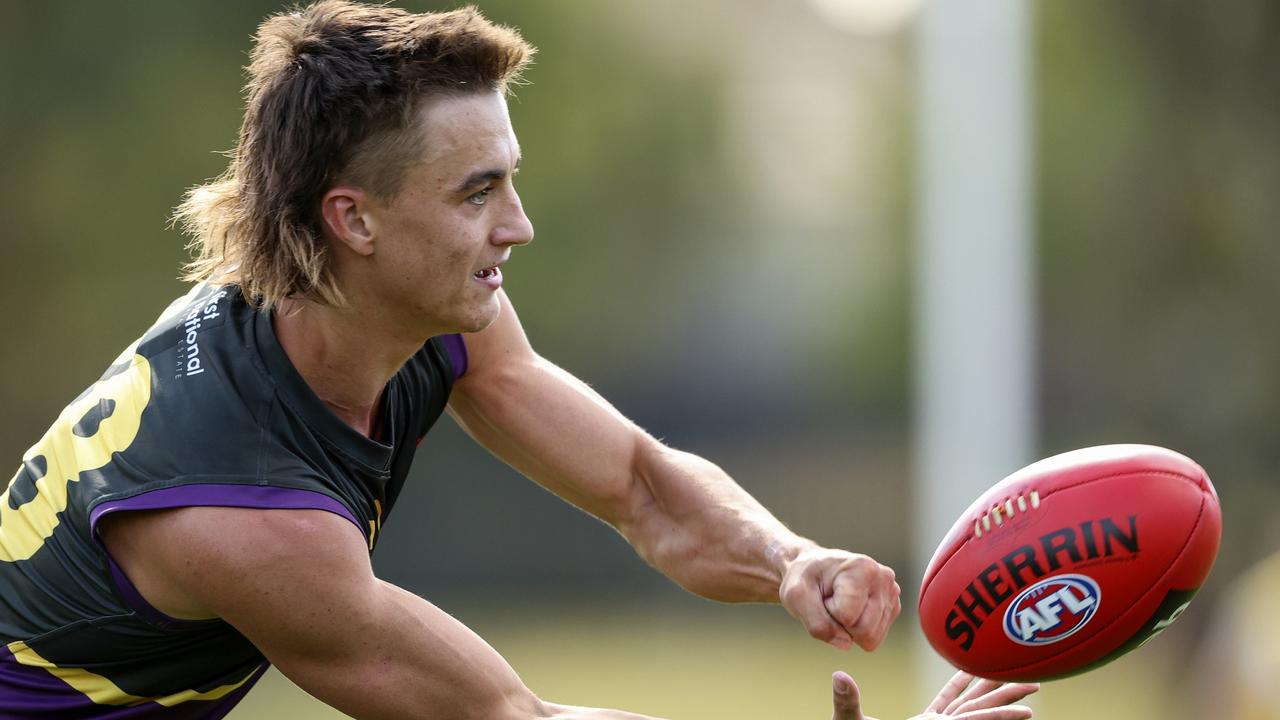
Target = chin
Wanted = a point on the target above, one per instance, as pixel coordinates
(482, 318)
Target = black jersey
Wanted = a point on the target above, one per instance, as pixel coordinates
(205, 409)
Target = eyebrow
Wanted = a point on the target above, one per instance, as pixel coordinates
(482, 177)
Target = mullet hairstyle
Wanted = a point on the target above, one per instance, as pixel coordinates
(331, 97)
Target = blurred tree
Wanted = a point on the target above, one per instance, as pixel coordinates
(1159, 167)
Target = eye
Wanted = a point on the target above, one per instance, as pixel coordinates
(479, 198)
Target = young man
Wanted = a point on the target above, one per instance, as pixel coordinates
(210, 504)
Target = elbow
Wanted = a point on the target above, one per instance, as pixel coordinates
(653, 516)
(525, 707)
(638, 506)
(516, 703)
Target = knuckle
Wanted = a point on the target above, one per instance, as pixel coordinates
(793, 594)
(788, 589)
(863, 562)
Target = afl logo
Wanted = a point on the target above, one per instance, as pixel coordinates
(1051, 610)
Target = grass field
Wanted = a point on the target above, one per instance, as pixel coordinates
(745, 663)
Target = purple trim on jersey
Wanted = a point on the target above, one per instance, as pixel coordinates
(31, 693)
(259, 497)
(262, 497)
(27, 692)
(457, 350)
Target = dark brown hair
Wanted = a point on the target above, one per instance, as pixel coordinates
(331, 96)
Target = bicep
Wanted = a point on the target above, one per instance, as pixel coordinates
(283, 578)
(546, 423)
(298, 584)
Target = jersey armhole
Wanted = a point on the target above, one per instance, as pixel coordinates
(259, 497)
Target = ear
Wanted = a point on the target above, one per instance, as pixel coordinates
(345, 212)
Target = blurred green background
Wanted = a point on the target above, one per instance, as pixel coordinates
(723, 193)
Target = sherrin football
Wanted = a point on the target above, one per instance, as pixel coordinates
(1071, 562)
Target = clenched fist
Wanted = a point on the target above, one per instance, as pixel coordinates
(842, 598)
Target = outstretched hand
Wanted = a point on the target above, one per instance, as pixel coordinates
(960, 699)
(842, 598)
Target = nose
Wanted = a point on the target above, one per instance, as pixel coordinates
(515, 227)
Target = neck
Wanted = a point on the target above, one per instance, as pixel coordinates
(346, 357)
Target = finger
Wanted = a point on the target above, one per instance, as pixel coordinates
(1009, 712)
(882, 625)
(980, 687)
(845, 698)
(949, 692)
(891, 612)
(849, 598)
(998, 697)
(861, 591)
(803, 600)
(870, 629)
(856, 602)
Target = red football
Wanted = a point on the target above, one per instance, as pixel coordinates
(1071, 562)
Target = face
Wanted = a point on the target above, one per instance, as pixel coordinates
(438, 246)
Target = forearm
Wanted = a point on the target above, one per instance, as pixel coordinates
(419, 662)
(701, 529)
(404, 658)
(693, 522)
(682, 513)
(573, 712)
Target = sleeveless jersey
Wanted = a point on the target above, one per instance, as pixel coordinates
(205, 409)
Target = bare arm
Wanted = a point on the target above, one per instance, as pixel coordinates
(682, 513)
(298, 584)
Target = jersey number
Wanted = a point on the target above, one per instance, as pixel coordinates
(101, 422)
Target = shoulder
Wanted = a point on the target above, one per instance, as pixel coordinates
(187, 401)
(195, 562)
(187, 320)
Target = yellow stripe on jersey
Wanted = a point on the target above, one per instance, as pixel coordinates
(104, 692)
(119, 401)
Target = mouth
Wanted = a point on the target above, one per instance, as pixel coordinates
(491, 276)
